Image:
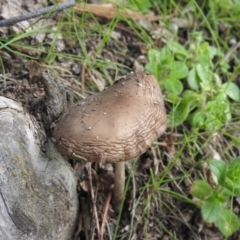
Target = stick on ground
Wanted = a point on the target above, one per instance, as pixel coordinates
(37, 13)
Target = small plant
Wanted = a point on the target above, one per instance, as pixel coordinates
(216, 201)
(140, 5)
(197, 93)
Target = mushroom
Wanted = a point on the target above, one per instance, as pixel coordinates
(115, 125)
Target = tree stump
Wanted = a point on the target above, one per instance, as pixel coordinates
(38, 198)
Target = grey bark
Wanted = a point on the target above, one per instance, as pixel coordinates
(38, 198)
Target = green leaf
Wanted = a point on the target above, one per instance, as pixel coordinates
(166, 56)
(177, 48)
(217, 113)
(178, 114)
(159, 57)
(198, 118)
(193, 80)
(178, 69)
(201, 189)
(153, 55)
(191, 96)
(213, 51)
(212, 123)
(226, 193)
(224, 66)
(221, 97)
(152, 68)
(219, 169)
(232, 90)
(221, 197)
(228, 223)
(140, 5)
(229, 185)
(211, 210)
(235, 164)
(204, 55)
(233, 173)
(203, 74)
(173, 85)
(173, 98)
(157, 61)
(217, 80)
(222, 109)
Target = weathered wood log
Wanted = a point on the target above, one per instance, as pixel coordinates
(38, 198)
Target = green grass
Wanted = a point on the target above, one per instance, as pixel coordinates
(199, 84)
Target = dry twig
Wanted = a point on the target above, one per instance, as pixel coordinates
(93, 198)
(105, 211)
(37, 13)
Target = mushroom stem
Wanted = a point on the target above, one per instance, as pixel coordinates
(119, 182)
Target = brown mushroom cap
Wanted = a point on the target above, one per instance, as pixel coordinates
(116, 124)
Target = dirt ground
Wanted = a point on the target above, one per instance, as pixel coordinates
(152, 218)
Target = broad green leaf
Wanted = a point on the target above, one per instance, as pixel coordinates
(212, 123)
(157, 60)
(217, 79)
(222, 197)
(213, 51)
(159, 57)
(192, 95)
(211, 210)
(201, 189)
(153, 68)
(226, 192)
(154, 56)
(195, 98)
(173, 98)
(229, 184)
(177, 48)
(178, 114)
(198, 118)
(203, 74)
(140, 5)
(217, 113)
(173, 85)
(165, 56)
(225, 4)
(224, 66)
(233, 173)
(204, 55)
(219, 169)
(178, 70)
(153, 65)
(193, 80)
(217, 107)
(221, 97)
(222, 107)
(232, 90)
(228, 113)
(235, 164)
(228, 223)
